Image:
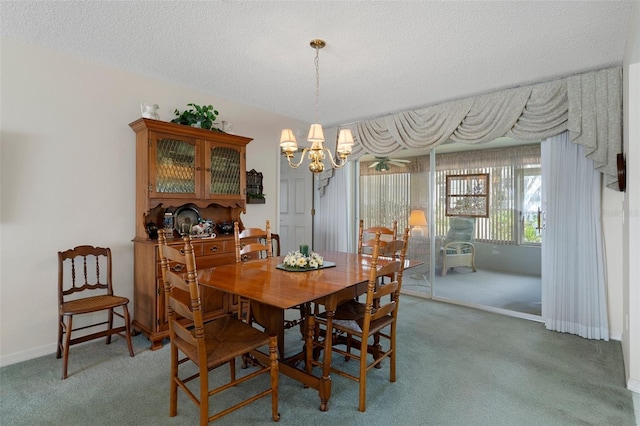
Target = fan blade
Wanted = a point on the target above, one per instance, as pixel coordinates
(374, 164)
(397, 163)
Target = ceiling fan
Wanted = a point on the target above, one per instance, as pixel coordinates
(382, 163)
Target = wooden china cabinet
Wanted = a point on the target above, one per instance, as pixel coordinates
(182, 169)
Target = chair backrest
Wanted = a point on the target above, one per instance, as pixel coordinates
(461, 229)
(84, 268)
(376, 293)
(392, 248)
(366, 236)
(275, 240)
(179, 276)
(252, 243)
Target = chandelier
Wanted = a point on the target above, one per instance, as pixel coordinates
(317, 152)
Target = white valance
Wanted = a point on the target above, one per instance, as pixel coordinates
(588, 105)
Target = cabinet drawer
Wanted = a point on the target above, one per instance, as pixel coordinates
(220, 246)
(197, 247)
(209, 247)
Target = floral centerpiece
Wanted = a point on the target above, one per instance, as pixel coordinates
(297, 260)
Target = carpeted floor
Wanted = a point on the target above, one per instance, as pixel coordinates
(509, 291)
(456, 366)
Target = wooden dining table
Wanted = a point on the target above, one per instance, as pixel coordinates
(272, 290)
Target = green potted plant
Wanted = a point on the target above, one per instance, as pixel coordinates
(255, 198)
(197, 116)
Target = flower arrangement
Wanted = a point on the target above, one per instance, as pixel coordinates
(297, 260)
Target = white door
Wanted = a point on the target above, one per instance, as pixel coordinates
(296, 194)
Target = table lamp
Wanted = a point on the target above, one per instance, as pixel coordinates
(417, 221)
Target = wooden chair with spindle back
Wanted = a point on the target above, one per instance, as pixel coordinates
(94, 293)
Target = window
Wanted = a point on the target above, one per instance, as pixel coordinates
(385, 198)
(468, 195)
(530, 197)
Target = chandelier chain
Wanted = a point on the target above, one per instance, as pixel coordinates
(317, 62)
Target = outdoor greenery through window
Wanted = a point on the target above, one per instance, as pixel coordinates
(514, 198)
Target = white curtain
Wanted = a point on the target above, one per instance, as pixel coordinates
(331, 221)
(588, 105)
(573, 269)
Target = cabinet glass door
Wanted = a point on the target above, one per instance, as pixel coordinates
(175, 167)
(225, 177)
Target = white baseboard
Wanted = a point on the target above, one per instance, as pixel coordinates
(633, 385)
(615, 336)
(17, 357)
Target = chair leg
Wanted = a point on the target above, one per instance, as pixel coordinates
(127, 324)
(348, 341)
(392, 358)
(173, 386)
(232, 366)
(65, 350)
(110, 325)
(362, 379)
(60, 328)
(376, 349)
(204, 394)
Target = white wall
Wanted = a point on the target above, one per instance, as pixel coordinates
(631, 205)
(68, 176)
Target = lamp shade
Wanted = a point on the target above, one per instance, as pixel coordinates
(315, 133)
(288, 141)
(345, 141)
(417, 218)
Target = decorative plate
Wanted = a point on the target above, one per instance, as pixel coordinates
(292, 269)
(185, 218)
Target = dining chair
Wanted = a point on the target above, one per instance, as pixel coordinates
(208, 345)
(85, 286)
(366, 236)
(251, 244)
(361, 323)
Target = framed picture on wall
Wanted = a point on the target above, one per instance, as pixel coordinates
(468, 195)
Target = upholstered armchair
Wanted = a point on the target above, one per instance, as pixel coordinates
(458, 248)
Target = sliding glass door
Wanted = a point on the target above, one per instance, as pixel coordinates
(506, 238)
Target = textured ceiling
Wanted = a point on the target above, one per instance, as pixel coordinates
(381, 57)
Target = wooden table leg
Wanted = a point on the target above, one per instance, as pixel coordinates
(272, 319)
(325, 380)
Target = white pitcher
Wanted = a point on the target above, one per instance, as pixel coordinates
(150, 111)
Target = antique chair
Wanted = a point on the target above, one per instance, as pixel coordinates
(374, 319)
(85, 286)
(211, 344)
(458, 248)
(366, 236)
